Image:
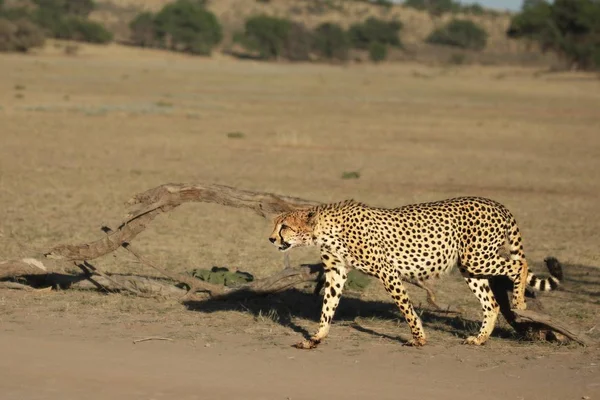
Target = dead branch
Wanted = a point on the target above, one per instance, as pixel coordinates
(535, 319)
(145, 286)
(24, 266)
(166, 288)
(166, 197)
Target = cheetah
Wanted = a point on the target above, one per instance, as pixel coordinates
(414, 242)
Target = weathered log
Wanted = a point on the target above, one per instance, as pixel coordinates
(24, 266)
(166, 197)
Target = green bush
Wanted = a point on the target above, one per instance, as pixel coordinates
(331, 42)
(571, 28)
(374, 30)
(186, 26)
(298, 43)
(62, 19)
(377, 52)
(273, 37)
(82, 30)
(266, 35)
(460, 33)
(142, 30)
(20, 35)
(535, 23)
(67, 19)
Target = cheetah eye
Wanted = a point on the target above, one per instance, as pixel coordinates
(284, 226)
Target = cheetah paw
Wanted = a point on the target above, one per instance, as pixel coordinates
(416, 342)
(307, 344)
(474, 340)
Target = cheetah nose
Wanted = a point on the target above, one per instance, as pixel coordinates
(272, 240)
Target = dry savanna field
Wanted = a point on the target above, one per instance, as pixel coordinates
(79, 135)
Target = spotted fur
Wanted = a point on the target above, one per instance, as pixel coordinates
(414, 242)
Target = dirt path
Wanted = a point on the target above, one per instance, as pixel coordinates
(41, 367)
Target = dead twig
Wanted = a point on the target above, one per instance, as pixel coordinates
(151, 338)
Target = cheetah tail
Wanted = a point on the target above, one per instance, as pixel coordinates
(550, 283)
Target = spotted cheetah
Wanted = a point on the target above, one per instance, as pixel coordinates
(413, 242)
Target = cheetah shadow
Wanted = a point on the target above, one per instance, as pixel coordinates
(287, 306)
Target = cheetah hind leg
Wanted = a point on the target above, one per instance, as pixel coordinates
(481, 289)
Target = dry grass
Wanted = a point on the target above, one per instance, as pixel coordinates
(89, 131)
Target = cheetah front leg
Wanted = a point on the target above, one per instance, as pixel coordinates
(393, 285)
(335, 278)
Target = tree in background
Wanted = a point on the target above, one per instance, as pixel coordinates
(68, 19)
(571, 28)
(266, 35)
(187, 26)
(460, 33)
(184, 25)
(375, 35)
(62, 19)
(375, 30)
(273, 37)
(331, 42)
(142, 30)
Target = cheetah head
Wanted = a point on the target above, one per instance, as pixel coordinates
(293, 229)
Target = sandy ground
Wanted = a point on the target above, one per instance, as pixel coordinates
(35, 367)
(80, 135)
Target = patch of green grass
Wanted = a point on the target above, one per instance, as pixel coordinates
(350, 175)
(357, 280)
(163, 103)
(236, 135)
